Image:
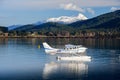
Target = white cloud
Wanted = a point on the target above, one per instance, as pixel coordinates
(74, 7)
(90, 10)
(67, 19)
(51, 4)
(71, 6)
(115, 8)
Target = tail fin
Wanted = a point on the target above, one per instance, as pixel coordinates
(49, 49)
(46, 46)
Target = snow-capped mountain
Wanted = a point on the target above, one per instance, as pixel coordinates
(61, 19)
(67, 19)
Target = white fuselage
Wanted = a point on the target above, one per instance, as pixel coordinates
(72, 50)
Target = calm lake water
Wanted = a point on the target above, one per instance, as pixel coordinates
(21, 59)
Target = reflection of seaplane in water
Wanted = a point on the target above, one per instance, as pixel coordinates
(71, 50)
(76, 69)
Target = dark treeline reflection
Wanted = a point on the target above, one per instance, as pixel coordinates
(3, 41)
(90, 43)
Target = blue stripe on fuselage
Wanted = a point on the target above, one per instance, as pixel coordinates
(49, 49)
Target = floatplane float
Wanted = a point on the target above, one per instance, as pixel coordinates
(72, 51)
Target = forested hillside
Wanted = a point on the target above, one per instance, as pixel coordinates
(106, 25)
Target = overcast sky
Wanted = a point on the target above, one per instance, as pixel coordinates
(30, 11)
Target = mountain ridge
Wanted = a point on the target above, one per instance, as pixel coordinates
(106, 25)
(106, 21)
(96, 21)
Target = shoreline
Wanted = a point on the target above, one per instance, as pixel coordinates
(60, 37)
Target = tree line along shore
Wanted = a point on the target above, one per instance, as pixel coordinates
(63, 34)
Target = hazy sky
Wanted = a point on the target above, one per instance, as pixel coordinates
(30, 11)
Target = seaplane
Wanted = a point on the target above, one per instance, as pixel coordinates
(72, 51)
